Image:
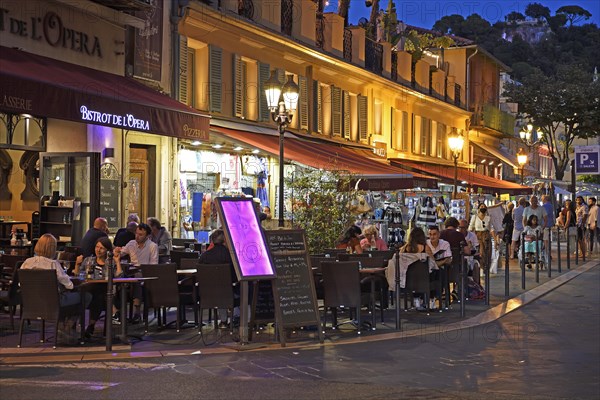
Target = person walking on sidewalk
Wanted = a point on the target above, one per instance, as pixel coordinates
(592, 222)
(550, 221)
(581, 214)
(481, 224)
(519, 226)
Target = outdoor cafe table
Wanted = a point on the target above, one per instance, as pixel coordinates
(117, 281)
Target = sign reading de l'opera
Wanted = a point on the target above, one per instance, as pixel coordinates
(51, 29)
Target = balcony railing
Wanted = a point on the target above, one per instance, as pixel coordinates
(246, 8)
(394, 75)
(347, 45)
(373, 56)
(287, 17)
(491, 117)
(457, 89)
(320, 34)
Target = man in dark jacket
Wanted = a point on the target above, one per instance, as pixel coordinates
(88, 242)
(162, 238)
(218, 253)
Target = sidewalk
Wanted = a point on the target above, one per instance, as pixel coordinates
(167, 342)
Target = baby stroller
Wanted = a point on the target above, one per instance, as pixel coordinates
(529, 248)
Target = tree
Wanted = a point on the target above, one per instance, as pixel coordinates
(564, 106)
(574, 14)
(537, 11)
(321, 205)
(449, 24)
(514, 17)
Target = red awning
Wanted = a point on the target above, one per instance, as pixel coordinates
(473, 179)
(374, 174)
(44, 87)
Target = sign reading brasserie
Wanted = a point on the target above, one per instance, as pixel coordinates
(51, 29)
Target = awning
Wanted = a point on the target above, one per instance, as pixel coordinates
(506, 158)
(473, 179)
(374, 175)
(44, 87)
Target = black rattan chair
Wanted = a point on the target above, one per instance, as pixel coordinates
(341, 285)
(40, 300)
(215, 289)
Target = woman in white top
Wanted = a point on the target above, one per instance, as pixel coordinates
(45, 252)
(481, 224)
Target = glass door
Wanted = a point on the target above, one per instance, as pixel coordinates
(69, 190)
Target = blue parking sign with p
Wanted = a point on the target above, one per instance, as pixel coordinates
(586, 160)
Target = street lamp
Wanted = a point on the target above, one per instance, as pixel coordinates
(522, 160)
(455, 143)
(531, 136)
(282, 112)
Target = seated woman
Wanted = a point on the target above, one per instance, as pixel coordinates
(350, 240)
(372, 239)
(532, 232)
(94, 267)
(417, 244)
(44, 258)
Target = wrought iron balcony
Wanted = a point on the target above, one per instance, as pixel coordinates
(287, 17)
(246, 8)
(491, 117)
(347, 45)
(373, 56)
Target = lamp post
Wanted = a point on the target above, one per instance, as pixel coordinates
(282, 112)
(531, 136)
(455, 143)
(522, 160)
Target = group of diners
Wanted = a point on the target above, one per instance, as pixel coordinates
(135, 245)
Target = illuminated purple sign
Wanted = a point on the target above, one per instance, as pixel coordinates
(245, 238)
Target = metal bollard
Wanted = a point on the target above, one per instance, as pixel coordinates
(109, 302)
(463, 271)
(577, 247)
(549, 253)
(522, 261)
(568, 250)
(397, 289)
(537, 257)
(488, 259)
(506, 270)
(558, 250)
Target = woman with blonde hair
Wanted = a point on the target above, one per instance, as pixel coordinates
(372, 239)
(44, 258)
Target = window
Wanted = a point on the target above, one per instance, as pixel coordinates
(246, 84)
(441, 140)
(362, 118)
(399, 129)
(425, 135)
(416, 127)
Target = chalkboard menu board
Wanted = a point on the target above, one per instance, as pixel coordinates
(295, 284)
(109, 201)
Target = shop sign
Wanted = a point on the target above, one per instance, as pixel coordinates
(51, 29)
(587, 160)
(128, 121)
(195, 133)
(15, 102)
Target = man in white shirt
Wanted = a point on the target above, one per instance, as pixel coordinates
(439, 247)
(142, 250)
(592, 221)
(517, 215)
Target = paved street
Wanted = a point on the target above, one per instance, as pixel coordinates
(547, 349)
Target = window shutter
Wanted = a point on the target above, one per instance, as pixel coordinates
(216, 79)
(264, 72)
(393, 134)
(317, 103)
(238, 86)
(303, 103)
(346, 113)
(183, 69)
(336, 110)
(404, 133)
(362, 118)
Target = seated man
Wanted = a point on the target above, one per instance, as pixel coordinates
(473, 244)
(162, 238)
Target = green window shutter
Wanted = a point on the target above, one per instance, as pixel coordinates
(362, 118)
(317, 112)
(183, 69)
(303, 103)
(215, 79)
(336, 110)
(393, 134)
(264, 73)
(239, 85)
(346, 114)
(404, 146)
